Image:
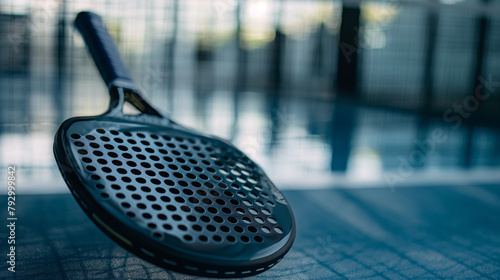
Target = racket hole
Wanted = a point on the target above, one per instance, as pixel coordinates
(151, 198)
(214, 193)
(191, 218)
(114, 132)
(126, 179)
(253, 211)
(278, 230)
(125, 205)
(211, 228)
(217, 178)
(203, 238)
(157, 235)
(149, 150)
(187, 192)
(265, 211)
(121, 171)
(226, 210)
(202, 193)
(183, 183)
(217, 238)
(117, 162)
(165, 198)
(127, 155)
(176, 153)
(231, 238)
(164, 174)
(167, 226)
(182, 227)
(91, 168)
(272, 220)
(169, 182)
(86, 160)
(82, 152)
(193, 200)
(106, 169)
(246, 220)
(99, 186)
(205, 219)
(132, 141)
(140, 180)
(75, 136)
(234, 202)
(109, 146)
(94, 145)
(111, 178)
(151, 225)
(140, 135)
(209, 185)
(224, 229)
(145, 165)
(131, 163)
(160, 190)
(162, 216)
(79, 144)
(144, 142)
(154, 158)
(141, 205)
(90, 137)
(265, 229)
(155, 181)
(178, 218)
(178, 175)
(146, 216)
(168, 159)
(238, 229)
(102, 161)
(104, 195)
(258, 238)
(188, 237)
(212, 210)
(131, 188)
(145, 189)
(185, 208)
(115, 187)
(126, 133)
(136, 171)
(137, 149)
(259, 203)
(136, 197)
(174, 191)
(240, 211)
(120, 195)
(220, 201)
(232, 220)
(130, 214)
(207, 201)
(156, 207)
(199, 209)
(171, 208)
(159, 144)
(95, 177)
(245, 239)
(123, 148)
(98, 153)
(197, 228)
(259, 220)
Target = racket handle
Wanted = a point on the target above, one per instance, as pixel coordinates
(103, 50)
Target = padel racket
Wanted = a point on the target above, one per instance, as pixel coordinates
(178, 198)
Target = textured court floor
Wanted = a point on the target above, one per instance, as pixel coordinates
(431, 232)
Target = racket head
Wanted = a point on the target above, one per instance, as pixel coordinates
(178, 198)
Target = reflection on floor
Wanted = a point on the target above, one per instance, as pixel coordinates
(301, 142)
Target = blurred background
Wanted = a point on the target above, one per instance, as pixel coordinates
(320, 93)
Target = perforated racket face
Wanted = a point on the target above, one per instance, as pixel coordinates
(180, 199)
